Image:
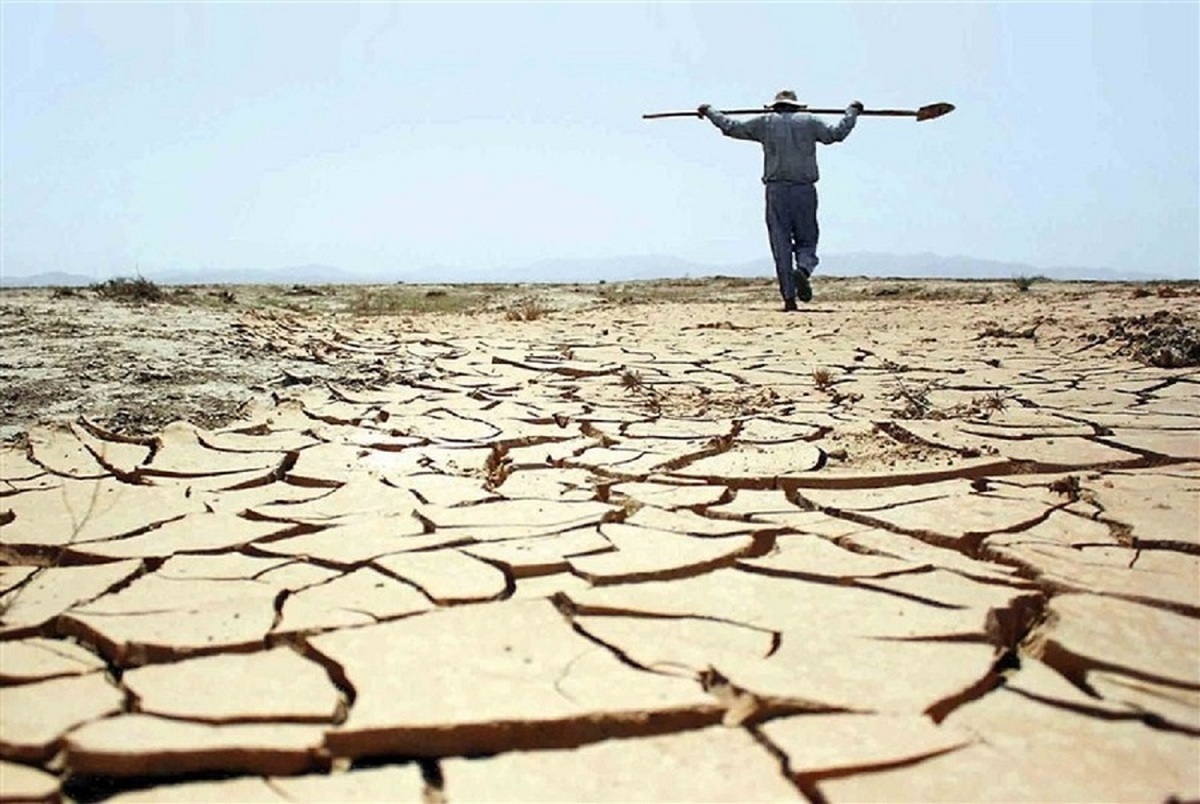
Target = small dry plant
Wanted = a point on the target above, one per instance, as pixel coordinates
(526, 310)
(633, 382)
(989, 404)
(823, 377)
(497, 468)
(918, 405)
(1068, 486)
(915, 400)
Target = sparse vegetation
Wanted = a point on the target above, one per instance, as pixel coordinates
(823, 379)
(497, 468)
(981, 407)
(133, 291)
(406, 300)
(64, 293)
(918, 405)
(303, 290)
(915, 400)
(1024, 283)
(191, 297)
(995, 331)
(633, 382)
(1162, 339)
(1068, 486)
(526, 310)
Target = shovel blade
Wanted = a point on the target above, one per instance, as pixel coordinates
(934, 110)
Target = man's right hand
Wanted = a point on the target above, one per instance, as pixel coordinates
(702, 109)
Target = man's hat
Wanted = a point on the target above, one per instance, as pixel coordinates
(786, 97)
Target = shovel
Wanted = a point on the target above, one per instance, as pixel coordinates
(924, 113)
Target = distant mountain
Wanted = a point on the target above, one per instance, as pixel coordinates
(610, 269)
(900, 266)
(50, 279)
(934, 266)
(311, 274)
(569, 271)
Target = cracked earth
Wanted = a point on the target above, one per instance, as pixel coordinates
(896, 547)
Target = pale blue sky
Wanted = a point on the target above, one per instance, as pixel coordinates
(389, 137)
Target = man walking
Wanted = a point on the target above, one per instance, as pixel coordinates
(789, 139)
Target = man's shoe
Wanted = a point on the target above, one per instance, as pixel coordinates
(803, 286)
(789, 305)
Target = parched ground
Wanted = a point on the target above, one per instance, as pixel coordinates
(650, 541)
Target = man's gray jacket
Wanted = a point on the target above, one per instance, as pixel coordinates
(788, 139)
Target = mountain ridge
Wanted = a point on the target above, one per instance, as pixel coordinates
(609, 269)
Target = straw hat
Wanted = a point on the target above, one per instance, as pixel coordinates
(785, 97)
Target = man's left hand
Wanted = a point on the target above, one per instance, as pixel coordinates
(702, 109)
(857, 106)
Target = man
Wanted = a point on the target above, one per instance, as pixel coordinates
(789, 138)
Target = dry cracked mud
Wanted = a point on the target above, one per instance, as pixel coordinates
(660, 542)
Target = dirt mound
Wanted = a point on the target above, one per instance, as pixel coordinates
(1162, 339)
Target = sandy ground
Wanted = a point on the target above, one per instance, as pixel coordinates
(136, 367)
(649, 541)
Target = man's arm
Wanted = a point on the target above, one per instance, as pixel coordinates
(738, 129)
(830, 134)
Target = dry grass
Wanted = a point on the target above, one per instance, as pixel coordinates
(916, 403)
(192, 297)
(130, 291)
(915, 400)
(513, 300)
(410, 300)
(527, 310)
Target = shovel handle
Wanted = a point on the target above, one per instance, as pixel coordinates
(924, 113)
(694, 113)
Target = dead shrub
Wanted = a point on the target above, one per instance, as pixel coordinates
(1025, 283)
(303, 290)
(526, 310)
(632, 380)
(915, 399)
(1068, 486)
(1163, 339)
(132, 291)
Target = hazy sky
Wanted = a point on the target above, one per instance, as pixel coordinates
(390, 137)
